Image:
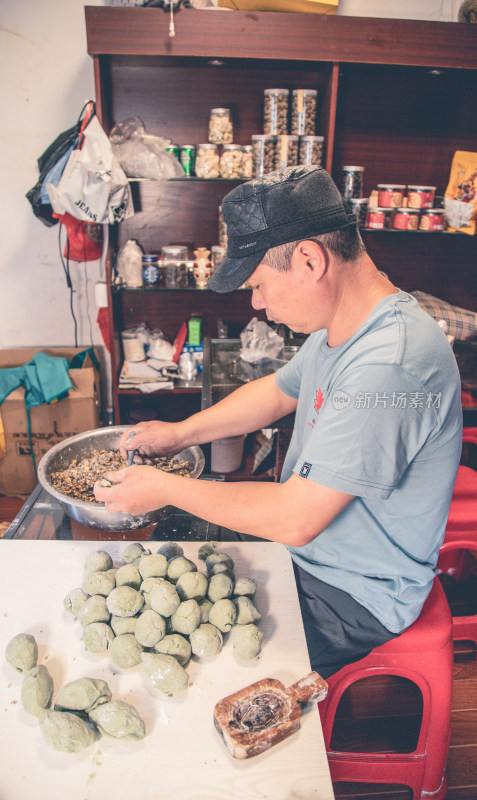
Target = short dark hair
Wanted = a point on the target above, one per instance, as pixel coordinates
(346, 244)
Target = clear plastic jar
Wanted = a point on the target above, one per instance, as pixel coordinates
(263, 148)
(247, 161)
(174, 262)
(303, 114)
(231, 161)
(217, 255)
(360, 209)
(222, 230)
(352, 182)
(220, 126)
(311, 150)
(275, 111)
(207, 161)
(286, 151)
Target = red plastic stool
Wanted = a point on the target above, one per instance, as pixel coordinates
(424, 655)
(455, 559)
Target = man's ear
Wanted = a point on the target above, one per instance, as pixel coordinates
(313, 257)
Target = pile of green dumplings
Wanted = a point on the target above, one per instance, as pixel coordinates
(156, 608)
(84, 708)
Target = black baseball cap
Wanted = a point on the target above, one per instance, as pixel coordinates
(284, 206)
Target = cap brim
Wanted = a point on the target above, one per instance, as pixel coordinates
(233, 272)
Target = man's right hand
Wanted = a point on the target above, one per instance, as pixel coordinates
(152, 439)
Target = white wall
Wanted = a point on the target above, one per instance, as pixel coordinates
(46, 77)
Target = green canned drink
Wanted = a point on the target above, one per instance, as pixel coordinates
(187, 158)
(173, 150)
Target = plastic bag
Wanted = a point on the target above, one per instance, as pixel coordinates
(129, 264)
(159, 347)
(142, 154)
(93, 186)
(460, 199)
(259, 342)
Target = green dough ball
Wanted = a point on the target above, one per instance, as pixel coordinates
(126, 651)
(192, 586)
(175, 645)
(206, 550)
(219, 558)
(128, 575)
(37, 690)
(66, 732)
(222, 567)
(119, 720)
(177, 566)
(147, 586)
(98, 561)
(94, 610)
(165, 673)
(206, 641)
(164, 599)
(223, 614)
(150, 628)
(124, 601)
(246, 611)
(123, 624)
(171, 550)
(74, 601)
(205, 607)
(247, 641)
(245, 586)
(153, 566)
(187, 617)
(22, 652)
(83, 694)
(99, 582)
(220, 586)
(134, 552)
(97, 637)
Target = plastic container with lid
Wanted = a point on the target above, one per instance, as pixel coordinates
(220, 126)
(352, 181)
(390, 195)
(247, 161)
(286, 151)
(310, 150)
(222, 230)
(360, 208)
(303, 112)
(207, 163)
(406, 219)
(420, 196)
(275, 111)
(432, 219)
(230, 162)
(174, 262)
(263, 150)
(226, 455)
(150, 269)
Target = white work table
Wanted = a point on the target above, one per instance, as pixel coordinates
(182, 756)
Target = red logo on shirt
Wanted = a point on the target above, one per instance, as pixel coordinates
(318, 401)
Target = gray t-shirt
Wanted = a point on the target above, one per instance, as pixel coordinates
(379, 417)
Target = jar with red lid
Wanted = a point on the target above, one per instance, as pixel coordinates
(432, 219)
(390, 195)
(420, 196)
(378, 218)
(406, 219)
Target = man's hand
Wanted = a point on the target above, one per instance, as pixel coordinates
(135, 490)
(152, 439)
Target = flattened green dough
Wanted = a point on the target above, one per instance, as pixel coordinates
(119, 720)
(153, 566)
(164, 599)
(22, 652)
(247, 641)
(97, 637)
(187, 617)
(66, 732)
(83, 694)
(126, 651)
(223, 614)
(74, 601)
(124, 601)
(192, 586)
(128, 575)
(37, 690)
(150, 628)
(206, 641)
(165, 673)
(94, 610)
(99, 582)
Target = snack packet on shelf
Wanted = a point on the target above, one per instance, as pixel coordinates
(460, 198)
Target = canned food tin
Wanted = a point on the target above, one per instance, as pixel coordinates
(150, 269)
(173, 150)
(406, 219)
(420, 196)
(432, 219)
(187, 158)
(390, 195)
(352, 182)
(378, 218)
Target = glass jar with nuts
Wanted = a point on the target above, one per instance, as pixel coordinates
(220, 126)
(247, 161)
(311, 150)
(303, 114)
(231, 161)
(263, 151)
(286, 151)
(207, 161)
(275, 111)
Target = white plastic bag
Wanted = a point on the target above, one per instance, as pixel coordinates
(142, 154)
(93, 187)
(259, 342)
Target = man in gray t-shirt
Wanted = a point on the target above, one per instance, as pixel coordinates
(366, 486)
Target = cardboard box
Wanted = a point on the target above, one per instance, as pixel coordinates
(50, 423)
